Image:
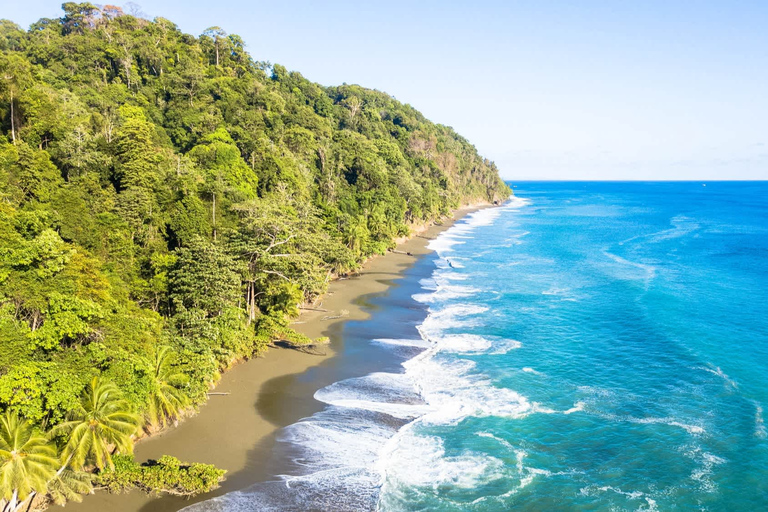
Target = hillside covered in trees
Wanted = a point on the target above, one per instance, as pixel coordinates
(167, 202)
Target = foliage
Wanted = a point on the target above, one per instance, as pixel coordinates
(101, 420)
(167, 398)
(27, 460)
(166, 475)
(70, 485)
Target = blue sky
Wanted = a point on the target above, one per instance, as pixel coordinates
(547, 89)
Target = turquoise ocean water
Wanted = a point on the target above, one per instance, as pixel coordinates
(586, 346)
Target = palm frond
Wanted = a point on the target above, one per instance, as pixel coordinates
(27, 458)
(70, 485)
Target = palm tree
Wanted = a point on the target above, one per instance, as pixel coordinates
(167, 400)
(70, 485)
(355, 234)
(27, 462)
(101, 424)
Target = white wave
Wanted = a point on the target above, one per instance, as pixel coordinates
(528, 369)
(327, 441)
(516, 203)
(334, 453)
(516, 238)
(525, 474)
(578, 406)
(715, 370)
(454, 263)
(691, 429)
(503, 346)
(419, 343)
(595, 391)
(476, 344)
(592, 490)
(484, 217)
(428, 283)
(555, 291)
(648, 271)
(446, 292)
(387, 393)
(450, 387)
(760, 430)
(342, 489)
(451, 317)
(445, 276)
(472, 343)
(501, 441)
(511, 241)
(444, 244)
(400, 411)
(702, 475)
(681, 226)
(651, 505)
(561, 293)
(453, 393)
(458, 232)
(421, 461)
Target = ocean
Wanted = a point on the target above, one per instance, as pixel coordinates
(585, 346)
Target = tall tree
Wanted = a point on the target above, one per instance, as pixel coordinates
(15, 76)
(27, 462)
(167, 399)
(219, 37)
(101, 424)
(205, 278)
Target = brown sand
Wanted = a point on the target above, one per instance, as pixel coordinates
(237, 431)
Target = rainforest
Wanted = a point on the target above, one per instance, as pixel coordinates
(167, 204)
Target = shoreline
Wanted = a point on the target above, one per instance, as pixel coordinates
(237, 431)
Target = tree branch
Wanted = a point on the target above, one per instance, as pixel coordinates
(275, 272)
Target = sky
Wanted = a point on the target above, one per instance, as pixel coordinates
(620, 90)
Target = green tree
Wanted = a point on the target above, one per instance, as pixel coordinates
(136, 155)
(101, 425)
(205, 278)
(77, 16)
(67, 319)
(219, 38)
(226, 173)
(27, 461)
(167, 400)
(137, 173)
(15, 76)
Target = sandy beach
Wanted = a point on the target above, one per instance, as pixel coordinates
(236, 430)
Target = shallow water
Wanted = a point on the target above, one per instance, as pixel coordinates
(587, 346)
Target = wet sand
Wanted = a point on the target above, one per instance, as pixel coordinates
(237, 431)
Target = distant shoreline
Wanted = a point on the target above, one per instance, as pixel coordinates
(237, 431)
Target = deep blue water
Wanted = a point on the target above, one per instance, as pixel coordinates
(588, 346)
